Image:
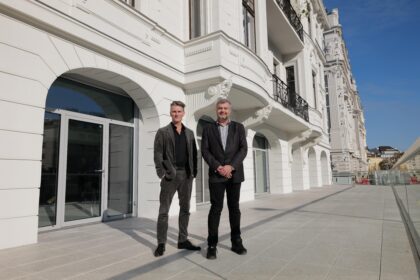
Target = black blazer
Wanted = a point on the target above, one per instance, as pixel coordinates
(164, 152)
(235, 153)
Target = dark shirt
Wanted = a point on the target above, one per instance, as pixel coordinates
(181, 152)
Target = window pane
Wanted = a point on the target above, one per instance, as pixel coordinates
(84, 171)
(197, 19)
(77, 97)
(290, 75)
(260, 161)
(49, 175)
(249, 29)
(245, 24)
(120, 188)
(251, 32)
(249, 4)
(260, 142)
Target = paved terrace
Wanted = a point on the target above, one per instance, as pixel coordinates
(327, 233)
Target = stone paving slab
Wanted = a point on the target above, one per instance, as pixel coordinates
(334, 232)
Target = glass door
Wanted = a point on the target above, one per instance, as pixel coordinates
(260, 161)
(120, 177)
(87, 157)
(84, 170)
(49, 178)
(261, 148)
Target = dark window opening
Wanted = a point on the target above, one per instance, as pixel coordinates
(248, 8)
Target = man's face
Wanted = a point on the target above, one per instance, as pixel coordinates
(223, 111)
(177, 113)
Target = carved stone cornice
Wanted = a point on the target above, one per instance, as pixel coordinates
(259, 117)
(219, 91)
(297, 139)
(310, 143)
(203, 98)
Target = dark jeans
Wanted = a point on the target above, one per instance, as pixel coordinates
(217, 193)
(183, 184)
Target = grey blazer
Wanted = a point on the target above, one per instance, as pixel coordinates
(164, 152)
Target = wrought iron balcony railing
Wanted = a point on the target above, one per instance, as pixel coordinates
(292, 16)
(290, 99)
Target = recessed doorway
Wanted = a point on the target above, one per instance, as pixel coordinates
(87, 158)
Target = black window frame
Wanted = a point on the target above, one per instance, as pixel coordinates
(291, 79)
(191, 21)
(314, 87)
(249, 7)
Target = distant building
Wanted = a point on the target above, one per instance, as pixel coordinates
(387, 151)
(382, 157)
(347, 123)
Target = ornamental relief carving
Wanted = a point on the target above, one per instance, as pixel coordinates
(259, 117)
(199, 49)
(220, 90)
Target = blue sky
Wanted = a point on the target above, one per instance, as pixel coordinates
(383, 39)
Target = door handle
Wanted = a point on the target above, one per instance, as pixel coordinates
(99, 171)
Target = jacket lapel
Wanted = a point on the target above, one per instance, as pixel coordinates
(217, 133)
(170, 130)
(188, 138)
(230, 133)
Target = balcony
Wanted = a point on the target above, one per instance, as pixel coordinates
(285, 31)
(289, 99)
(292, 16)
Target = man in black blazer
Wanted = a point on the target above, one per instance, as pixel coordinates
(175, 156)
(224, 148)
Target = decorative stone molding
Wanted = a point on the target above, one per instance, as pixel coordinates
(312, 142)
(297, 139)
(259, 117)
(199, 49)
(203, 98)
(220, 90)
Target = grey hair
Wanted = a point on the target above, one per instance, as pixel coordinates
(222, 101)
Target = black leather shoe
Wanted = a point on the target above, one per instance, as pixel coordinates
(238, 247)
(212, 252)
(188, 246)
(159, 250)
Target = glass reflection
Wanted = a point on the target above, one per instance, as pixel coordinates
(260, 158)
(49, 176)
(120, 187)
(202, 190)
(260, 145)
(72, 96)
(84, 171)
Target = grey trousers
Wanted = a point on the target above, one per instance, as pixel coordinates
(183, 185)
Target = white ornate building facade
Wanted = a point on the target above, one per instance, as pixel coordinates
(86, 84)
(347, 123)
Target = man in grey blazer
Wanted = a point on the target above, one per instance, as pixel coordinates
(175, 156)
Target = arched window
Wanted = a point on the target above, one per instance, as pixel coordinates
(202, 184)
(260, 152)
